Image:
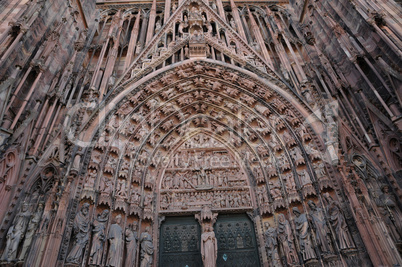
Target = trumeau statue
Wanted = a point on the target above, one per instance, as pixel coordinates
(131, 239)
(320, 227)
(209, 247)
(16, 233)
(285, 238)
(33, 225)
(271, 244)
(147, 248)
(115, 237)
(338, 223)
(303, 232)
(98, 238)
(80, 234)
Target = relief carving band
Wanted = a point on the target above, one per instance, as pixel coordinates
(203, 172)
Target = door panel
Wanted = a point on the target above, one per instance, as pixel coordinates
(180, 243)
(237, 245)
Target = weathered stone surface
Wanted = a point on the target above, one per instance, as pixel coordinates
(115, 115)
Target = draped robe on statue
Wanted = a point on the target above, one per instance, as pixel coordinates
(115, 238)
(81, 231)
(209, 249)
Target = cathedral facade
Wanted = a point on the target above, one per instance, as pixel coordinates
(200, 133)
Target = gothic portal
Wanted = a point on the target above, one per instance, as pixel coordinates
(200, 133)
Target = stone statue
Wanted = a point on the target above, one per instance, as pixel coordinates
(391, 214)
(33, 225)
(320, 226)
(338, 223)
(271, 244)
(232, 23)
(209, 247)
(115, 237)
(285, 238)
(147, 248)
(98, 238)
(158, 26)
(303, 232)
(80, 235)
(131, 244)
(16, 233)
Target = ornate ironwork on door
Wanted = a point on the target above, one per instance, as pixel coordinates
(180, 243)
(236, 241)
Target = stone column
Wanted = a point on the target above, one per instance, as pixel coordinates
(51, 250)
(12, 46)
(167, 10)
(221, 10)
(237, 19)
(43, 127)
(151, 24)
(279, 47)
(245, 27)
(143, 32)
(111, 56)
(259, 38)
(366, 232)
(133, 41)
(49, 133)
(303, 77)
(102, 53)
(374, 91)
(27, 98)
(5, 91)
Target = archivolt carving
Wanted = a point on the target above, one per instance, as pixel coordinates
(146, 160)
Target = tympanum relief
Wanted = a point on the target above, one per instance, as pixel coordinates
(204, 173)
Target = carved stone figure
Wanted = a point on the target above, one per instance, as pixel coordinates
(209, 247)
(90, 179)
(304, 177)
(232, 23)
(158, 26)
(115, 237)
(33, 225)
(106, 186)
(338, 223)
(80, 235)
(147, 248)
(303, 232)
(16, 233)
(98, 238)
(121, 191)
(391, 214)
(271, 244)
(131, 244)
(320, 226)
(285, 238)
